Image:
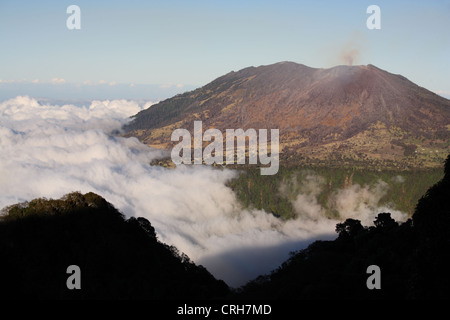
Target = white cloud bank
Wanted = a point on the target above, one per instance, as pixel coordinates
(49, 151)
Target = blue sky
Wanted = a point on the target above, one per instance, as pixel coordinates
(154, 49)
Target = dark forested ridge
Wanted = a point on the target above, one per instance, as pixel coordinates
(118, 258)
(122, 258)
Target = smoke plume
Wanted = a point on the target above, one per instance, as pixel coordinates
(349, 55)
(350, 52)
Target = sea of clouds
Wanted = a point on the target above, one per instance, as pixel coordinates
(50, 150)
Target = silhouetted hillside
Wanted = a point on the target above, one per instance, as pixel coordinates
(413, 258)
(432, 222)
(118, 258)
(123, 259)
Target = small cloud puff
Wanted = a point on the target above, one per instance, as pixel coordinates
(58, 80)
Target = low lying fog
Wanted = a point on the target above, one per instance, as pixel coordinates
(51, 150)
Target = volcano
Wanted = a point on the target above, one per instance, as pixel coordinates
(345, 115)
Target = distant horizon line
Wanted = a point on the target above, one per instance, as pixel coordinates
(56, 88)
(70, 100)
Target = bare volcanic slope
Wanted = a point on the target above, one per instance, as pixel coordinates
(345, 114)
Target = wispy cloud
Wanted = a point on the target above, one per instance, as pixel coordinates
(57, 80)
(12, 81)
(171, 85)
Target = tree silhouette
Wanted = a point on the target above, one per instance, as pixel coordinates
(349, 228)
(384, 221)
